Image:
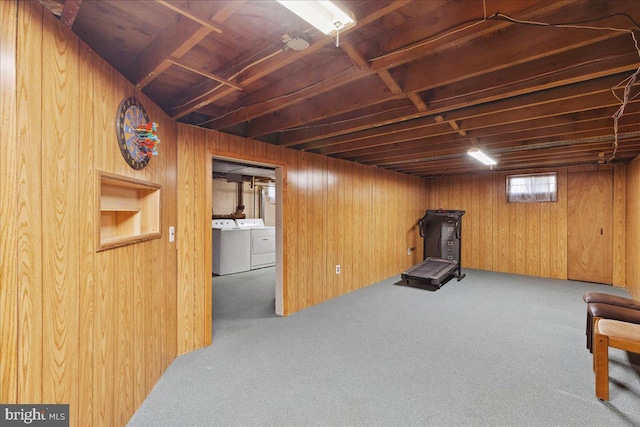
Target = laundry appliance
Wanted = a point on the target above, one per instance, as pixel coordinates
(231, 247)
(263, 242)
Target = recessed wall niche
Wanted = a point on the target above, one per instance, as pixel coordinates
(129, 211)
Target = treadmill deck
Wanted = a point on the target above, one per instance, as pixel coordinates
(432, 271)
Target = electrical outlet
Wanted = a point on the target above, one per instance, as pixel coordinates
(337, 268)
(172, 234)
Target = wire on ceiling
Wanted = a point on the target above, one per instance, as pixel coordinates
(628, 82)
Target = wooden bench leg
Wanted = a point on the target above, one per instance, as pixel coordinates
(601, 365)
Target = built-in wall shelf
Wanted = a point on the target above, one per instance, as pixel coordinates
(129, 211)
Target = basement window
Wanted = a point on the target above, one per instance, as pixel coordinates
(532, 188)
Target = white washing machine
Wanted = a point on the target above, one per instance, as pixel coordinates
(231, 247)
(263, 242)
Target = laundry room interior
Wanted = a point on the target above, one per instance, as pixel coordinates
(243, 221)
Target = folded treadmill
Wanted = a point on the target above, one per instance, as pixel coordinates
(441, 231)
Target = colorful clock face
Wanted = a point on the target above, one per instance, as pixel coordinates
(131, 114)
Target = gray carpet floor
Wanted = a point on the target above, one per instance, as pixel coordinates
(491, 350)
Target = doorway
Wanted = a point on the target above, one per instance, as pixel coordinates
(261, 200)
(590, 227)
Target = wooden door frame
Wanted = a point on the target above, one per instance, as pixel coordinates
(280, 169)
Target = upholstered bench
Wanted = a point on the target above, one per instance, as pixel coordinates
(616, 334)
(607, 311)
(602, 298)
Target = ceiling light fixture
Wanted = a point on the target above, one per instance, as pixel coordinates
(477, 154)
(324, 15)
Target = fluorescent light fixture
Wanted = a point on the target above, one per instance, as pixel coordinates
(477, 154)
(324, 15)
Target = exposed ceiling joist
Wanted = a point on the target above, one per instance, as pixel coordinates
(410, 88)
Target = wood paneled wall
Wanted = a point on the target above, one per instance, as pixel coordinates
(334, 212)
(8, 205)
(520, 238)
(92, 329)
(633, 228)
(97, 329)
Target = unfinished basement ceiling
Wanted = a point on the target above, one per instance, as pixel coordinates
(411, 87)
(223, 167)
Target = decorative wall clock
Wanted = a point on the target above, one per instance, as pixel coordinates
(131, 116)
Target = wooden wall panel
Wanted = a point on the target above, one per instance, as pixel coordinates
(60, 277)
(104, 296)
(304, 232)
(519, 238)
(291, 244)
(207, 256)
(319, 212)
(96, 328)
(345, 205)
(619, 223)
(545, 239)
(29, 231)
(633, 228)
(532, 221)
(86, 243)
(9, 152)
(185, 237)
(198, 169)
(168, 260)
(142, 350)
(123, 376)
(332, 223)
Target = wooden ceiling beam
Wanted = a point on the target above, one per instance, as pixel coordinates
(515, 83)
(573, 66)
(191, 16)
(449, 68)
(492, 147)
(444, 37)
(70, 12)
(209, 94)
(56, 7)
(382, 148)
(289, 91)
(386, 77)
(507, 134)
(353, 54)
(449, 141)
(532, 151)
(251, 109)
(255, 106)
(497, 109)
(534, 127)
(177, 38)
(529, 155)
(186, 66)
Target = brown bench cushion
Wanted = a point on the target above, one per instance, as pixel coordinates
(602, 298)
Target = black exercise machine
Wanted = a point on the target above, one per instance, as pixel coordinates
(441, 231)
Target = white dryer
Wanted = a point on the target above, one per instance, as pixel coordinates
(231, 247)
(263, 242)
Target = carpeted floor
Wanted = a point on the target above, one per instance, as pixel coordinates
(490, 350)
